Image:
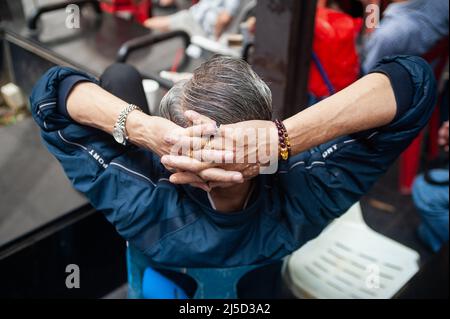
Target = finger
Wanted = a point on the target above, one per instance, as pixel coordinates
(185, 178)
(193, 147)
(184, 163)
(221, 176)
(198, 118)
(224, 130)
(184, 144)
(186, 138)
(194, 180)
(213, 156)
(251, 171)
(201, 130)
(189, 141)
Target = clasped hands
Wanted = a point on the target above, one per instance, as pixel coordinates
(206, 156)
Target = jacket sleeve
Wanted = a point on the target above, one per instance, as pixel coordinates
(124, 183)
(323, 183)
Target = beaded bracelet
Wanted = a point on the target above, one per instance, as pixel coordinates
(284, 142)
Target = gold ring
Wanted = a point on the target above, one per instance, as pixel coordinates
(191, 153)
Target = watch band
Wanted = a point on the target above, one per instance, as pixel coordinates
(122, 120)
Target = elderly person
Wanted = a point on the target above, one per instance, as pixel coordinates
(119, 157)
(208, 18)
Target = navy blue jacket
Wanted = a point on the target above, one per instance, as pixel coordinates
(177, 226)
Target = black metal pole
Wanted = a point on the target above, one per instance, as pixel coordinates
(283, 47)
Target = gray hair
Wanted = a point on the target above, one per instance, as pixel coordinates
(224, 89)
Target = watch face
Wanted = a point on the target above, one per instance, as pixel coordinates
(118, 136)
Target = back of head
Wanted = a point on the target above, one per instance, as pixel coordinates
(224, 89)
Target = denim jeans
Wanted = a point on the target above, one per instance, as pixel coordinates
(432, 203)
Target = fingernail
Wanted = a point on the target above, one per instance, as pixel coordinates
(165, 159)
(237, 177)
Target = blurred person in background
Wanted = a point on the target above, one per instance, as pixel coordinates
(335, 60)
(208, 18)
(409, 27)
(430, 195)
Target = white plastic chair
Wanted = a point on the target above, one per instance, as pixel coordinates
(350, 261)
